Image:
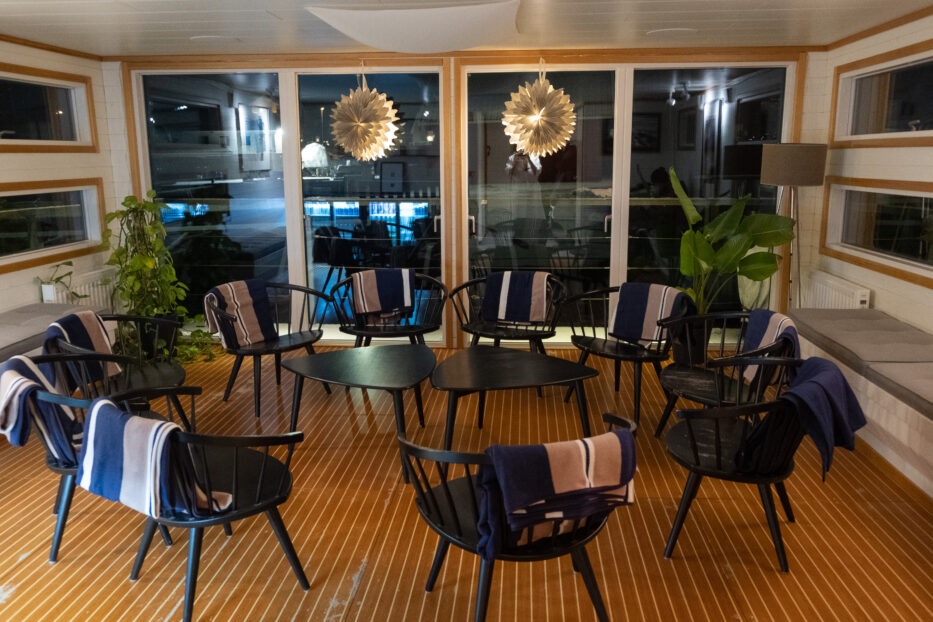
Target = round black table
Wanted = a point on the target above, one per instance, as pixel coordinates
(488, 368)
(389, 368)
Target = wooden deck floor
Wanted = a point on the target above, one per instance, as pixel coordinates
(861, 549)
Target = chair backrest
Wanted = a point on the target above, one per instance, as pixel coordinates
(244, 467)
(429, 296)
(761, 437)
(147, 339)
(468, 297)
(80, 370)
(448, 497)
(772, 365)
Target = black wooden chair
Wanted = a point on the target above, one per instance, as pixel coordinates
(589, 314)
(749, 443)
(468, 303)
(697, 341)
(65, 463)
(257, 481)
(450, 507)
(297, 314)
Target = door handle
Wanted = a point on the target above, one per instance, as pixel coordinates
(472, 220)
(436, 219)
(606, 223)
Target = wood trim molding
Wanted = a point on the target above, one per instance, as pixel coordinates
(49, 48)
(448, 201)
(132, 140)
(874, 30)
(858, 260)
(53, 184)
(895, 141)
(75, 78)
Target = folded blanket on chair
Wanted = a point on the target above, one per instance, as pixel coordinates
(20, 380)
(827, 407)
(540, 484)
(764, 328)
(133, 460)
(383, 292)
(248, 302)
(640, 307)
(86, 330)
(515, 296)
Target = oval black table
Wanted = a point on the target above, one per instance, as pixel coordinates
(392, 368)
(488, 368)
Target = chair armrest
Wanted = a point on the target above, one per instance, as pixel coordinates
(752, 358)
(289, 438)
(709, 317)
(81, 354)
(593, 293)
(622, 422)
(142, 319)
(151, 393)
(300, 288)
(441, 455)
(221, 315)
(727, 412)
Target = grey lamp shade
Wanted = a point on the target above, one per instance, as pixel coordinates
(793, 164)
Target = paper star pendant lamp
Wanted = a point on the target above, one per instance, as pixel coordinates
(364, 123)
(539, 119)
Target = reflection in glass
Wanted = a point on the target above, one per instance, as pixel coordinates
(898, 100)
(709, 124)
(215, 158)
(380, 214)
(546, 213)
(893, 224)
(30, 222)
(30, 111)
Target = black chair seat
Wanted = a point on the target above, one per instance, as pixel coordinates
(611, 348)
(492, 330)
(731, 433)
(283, 343)
(150, 376)
(387, 331)
(699, 385)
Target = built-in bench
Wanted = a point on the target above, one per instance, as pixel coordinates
(890, 366)
(22, 329)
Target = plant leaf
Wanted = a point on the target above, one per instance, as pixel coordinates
(727, 222)
(758, 266)
(728, 256)
(768, 229)
(690, 211)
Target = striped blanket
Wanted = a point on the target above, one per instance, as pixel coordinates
(639, 309)
(61, 431)
(764, 328)
(133, 460)
(383, 292)
(248, 302)
(537, 485)
(515, 296)
(86, 330)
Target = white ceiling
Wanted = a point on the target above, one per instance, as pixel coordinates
(145, 27)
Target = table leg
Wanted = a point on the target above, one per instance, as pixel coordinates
(399, 402)
(581, 406)
(296, 401)
(452, 398)
(481, 409)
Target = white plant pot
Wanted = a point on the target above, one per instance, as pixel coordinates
(48, 292)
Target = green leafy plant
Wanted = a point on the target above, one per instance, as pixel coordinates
(714, 253)
(195, 343)
(145, 281)
(62, 278)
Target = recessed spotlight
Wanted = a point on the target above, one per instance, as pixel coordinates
(671, 30)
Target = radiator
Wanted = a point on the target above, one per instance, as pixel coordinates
(831, 292)
(90, 284)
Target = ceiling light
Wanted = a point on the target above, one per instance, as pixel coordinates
(539, 119)
(364, 123)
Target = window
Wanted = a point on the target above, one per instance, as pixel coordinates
(48, 216)
(882, 225)
(45, 111)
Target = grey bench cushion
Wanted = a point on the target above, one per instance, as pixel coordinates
(22, 329)
(894, 355)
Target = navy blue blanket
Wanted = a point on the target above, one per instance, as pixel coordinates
(383, 292)
(248, 302)
(86, 330)
(515, 296)
(827, 407)
(640, 307)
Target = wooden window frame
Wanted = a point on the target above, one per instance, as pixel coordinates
(75, 82)
(844, 78)
(902, 269)
(55, 254)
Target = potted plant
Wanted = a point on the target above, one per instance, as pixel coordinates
(50, 283)
(731, 245)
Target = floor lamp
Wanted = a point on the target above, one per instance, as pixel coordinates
(793, 165)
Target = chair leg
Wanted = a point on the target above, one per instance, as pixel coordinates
(785, 501)
(636, 396)
(358, 342)
(64, 505)
(228, 529)
(481, 409)
(233, 373)
(582, 562)
(257, 383)
(495, 343)
(617, 369)
(144, 544)
(657, 368)
(419, 404)
(533, 348)
(474, 340)
(367, 342)
(442, 545)
(278, 368)
(768, 502)
(58, 495)
(191, 578)
(582, 360)
(690, 492)
(482, 589)
(668, 408)
(275, 519)
(166, 536)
